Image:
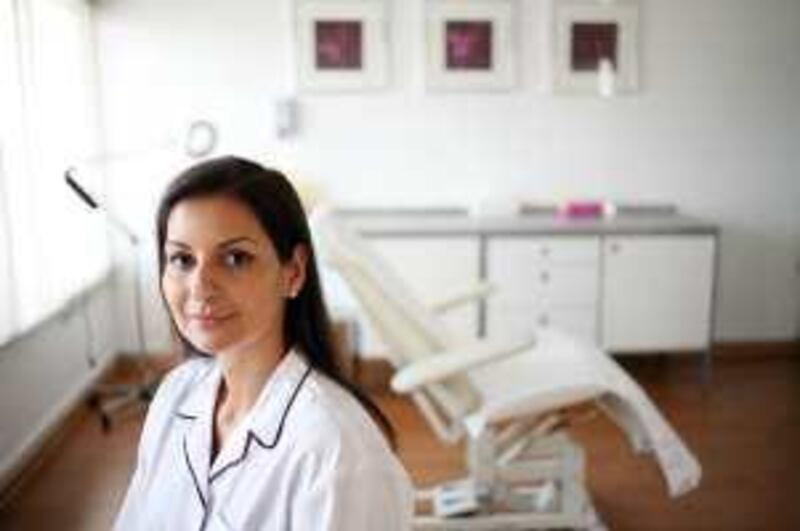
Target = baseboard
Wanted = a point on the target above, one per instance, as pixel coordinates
(757, 349)
(16, 466)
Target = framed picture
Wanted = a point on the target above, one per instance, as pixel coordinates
(470, 44)
(341, 44)
(595, 46)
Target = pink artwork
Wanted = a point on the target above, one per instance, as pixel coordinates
(468, 45)
(591, 42)
(338, 44)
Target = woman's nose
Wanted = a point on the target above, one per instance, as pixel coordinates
(203, 282)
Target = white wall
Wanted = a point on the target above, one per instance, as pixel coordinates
(715, 130)
(45, 372)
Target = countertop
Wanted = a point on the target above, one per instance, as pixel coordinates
(459, 223)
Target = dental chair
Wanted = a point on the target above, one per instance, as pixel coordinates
(507, 400)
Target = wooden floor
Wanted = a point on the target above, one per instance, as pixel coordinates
(744, 427)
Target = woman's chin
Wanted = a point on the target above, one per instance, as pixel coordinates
(210, 343)
(226, 336)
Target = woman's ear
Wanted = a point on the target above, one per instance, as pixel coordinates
(295, 271)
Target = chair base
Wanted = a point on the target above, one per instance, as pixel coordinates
(541, 487)
(504, 522)
(502, 518)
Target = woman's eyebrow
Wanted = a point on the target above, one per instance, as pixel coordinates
(233, 241)
(225, 243)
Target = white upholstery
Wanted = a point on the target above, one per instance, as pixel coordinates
(561, 371)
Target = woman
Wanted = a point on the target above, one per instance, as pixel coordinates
(257, 430)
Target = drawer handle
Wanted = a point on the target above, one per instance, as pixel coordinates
(545, 277)
(544, 320)
(614, 247)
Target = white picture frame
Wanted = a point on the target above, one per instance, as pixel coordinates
(470, 44)
(583, 34)
(341, 45)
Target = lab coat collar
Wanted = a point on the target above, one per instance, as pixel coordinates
(262, 426)
(201, 398)
(273, 405)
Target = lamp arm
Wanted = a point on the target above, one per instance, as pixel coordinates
(87, 198)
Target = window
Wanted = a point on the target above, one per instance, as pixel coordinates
(50, 247)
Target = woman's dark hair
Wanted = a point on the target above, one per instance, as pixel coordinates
(268, 194)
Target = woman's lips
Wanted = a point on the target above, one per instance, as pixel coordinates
(210, 321)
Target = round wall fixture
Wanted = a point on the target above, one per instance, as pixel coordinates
(201, 139)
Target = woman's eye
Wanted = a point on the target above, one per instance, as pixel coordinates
(237, 259)
(182, 261)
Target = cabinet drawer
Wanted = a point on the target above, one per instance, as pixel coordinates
(521, 321)
(549, 285)
(561, 285)
(511, 253)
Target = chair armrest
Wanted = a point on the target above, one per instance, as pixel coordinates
(450, 363)
(478, 291)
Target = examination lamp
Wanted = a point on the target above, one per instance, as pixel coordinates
(109, 399)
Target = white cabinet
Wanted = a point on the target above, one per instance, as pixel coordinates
(649, 289)
(433, 267)
(656, 292)
(542, 282)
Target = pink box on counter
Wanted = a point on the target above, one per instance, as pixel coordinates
(581, 209)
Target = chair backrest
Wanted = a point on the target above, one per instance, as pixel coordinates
(410, 329)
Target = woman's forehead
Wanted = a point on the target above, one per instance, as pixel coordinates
(211, 220)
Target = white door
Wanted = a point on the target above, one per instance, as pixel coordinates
(657, 292)
(433, 267)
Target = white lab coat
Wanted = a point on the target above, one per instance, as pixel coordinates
(306, 457)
